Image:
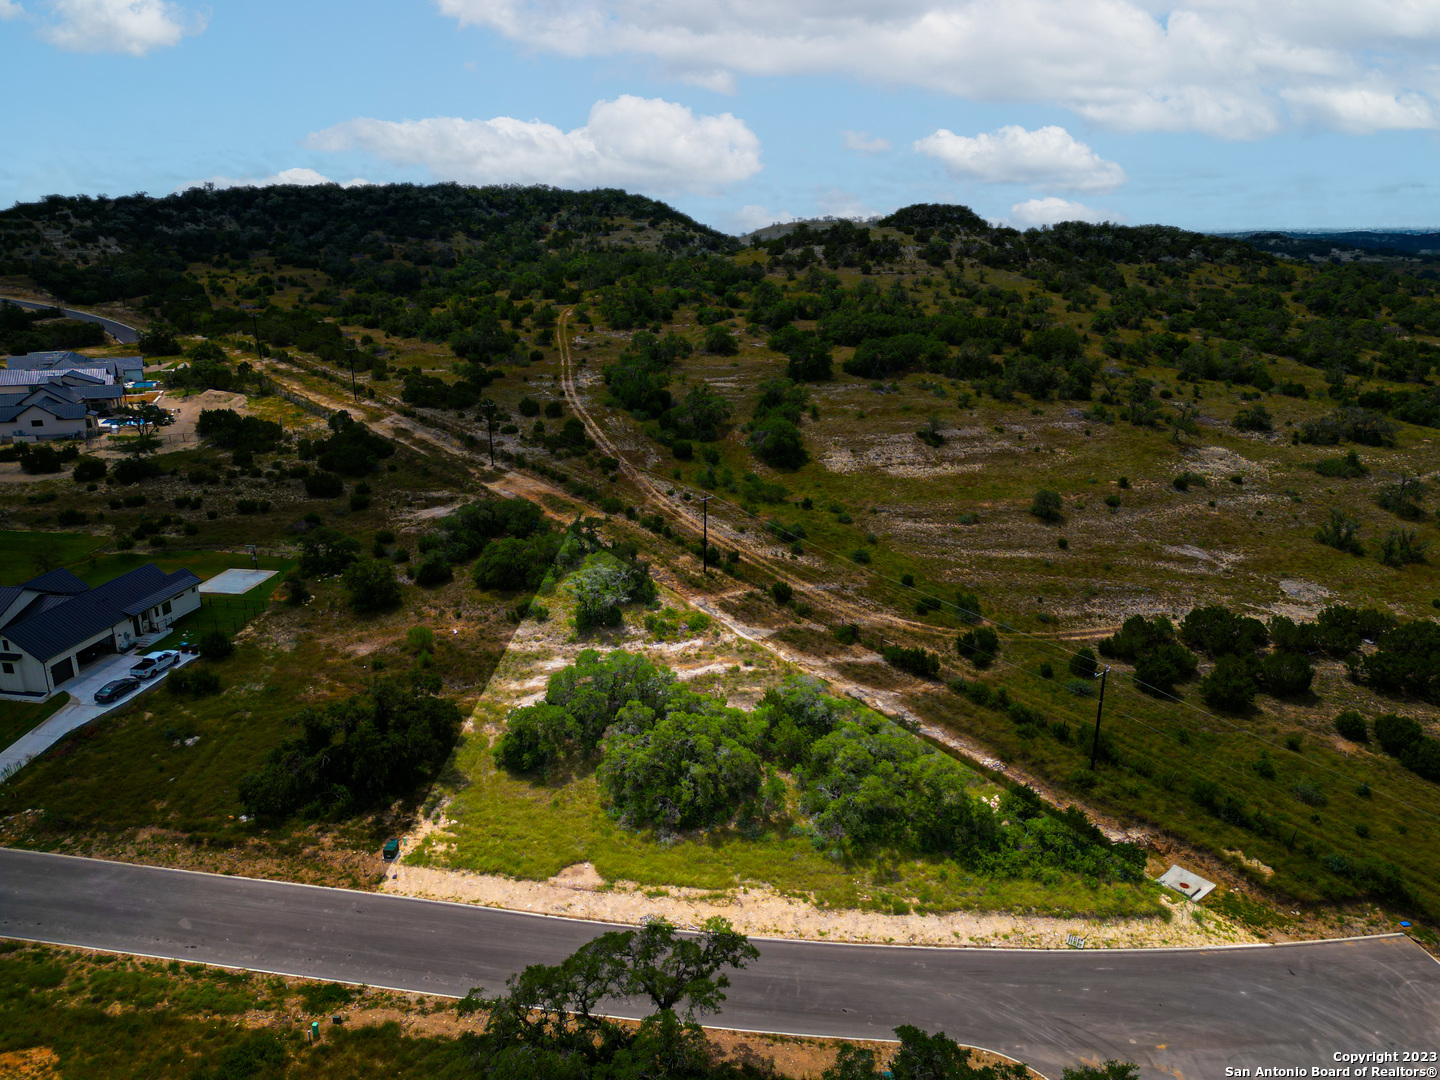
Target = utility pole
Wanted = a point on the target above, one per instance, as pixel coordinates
(488, 407)
(705, 532)
(350, 355)
(255, 329)
(1100, 708)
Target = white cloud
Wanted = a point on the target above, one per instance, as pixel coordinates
(1359, 110)
(749, 218)
(1047, 157)
(636, 142)
(1230, 68)
(862, 143)
(301, 177)
(845, 204)
(1035, 212)
(121, 26)
(9, 9)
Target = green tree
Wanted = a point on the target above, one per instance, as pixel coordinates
(1047, 506)
(720, 341)
(326, 551)
(371, 586)
(1231, 685)
(778, 442)
(599, 591)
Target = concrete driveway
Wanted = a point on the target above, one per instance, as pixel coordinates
(82, 708)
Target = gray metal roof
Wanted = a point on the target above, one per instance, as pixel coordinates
(56, 581)
(49, 633)
(52, 358)
(58, 409)
(90, 371)
(46, 361)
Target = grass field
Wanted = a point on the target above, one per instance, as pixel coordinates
(106, 1017)
(173, 761)
(18, 717)
(202, 563)
(524, 827)
(23, 555)
(512, 826)
(133, 768)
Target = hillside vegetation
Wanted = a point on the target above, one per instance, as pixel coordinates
(954, 467)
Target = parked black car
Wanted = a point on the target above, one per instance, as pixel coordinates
(115, 690)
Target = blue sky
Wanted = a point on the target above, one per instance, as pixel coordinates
(1319, 114)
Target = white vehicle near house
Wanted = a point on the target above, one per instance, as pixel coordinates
(152, 663)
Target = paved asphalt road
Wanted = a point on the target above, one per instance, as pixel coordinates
(1182, 1013)
(125, 335)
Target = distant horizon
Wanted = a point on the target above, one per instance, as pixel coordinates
(1032, 113)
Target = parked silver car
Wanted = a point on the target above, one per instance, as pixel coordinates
(152, 663)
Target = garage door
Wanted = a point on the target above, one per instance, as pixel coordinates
(62, 671)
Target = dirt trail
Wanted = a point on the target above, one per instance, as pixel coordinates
(890, 703)
(887, 702)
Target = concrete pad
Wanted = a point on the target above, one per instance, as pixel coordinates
(81, 708)
(235, 582)
(1187, 882)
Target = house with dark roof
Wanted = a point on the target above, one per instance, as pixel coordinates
(54, 625)
(50, 412)
(123, 368)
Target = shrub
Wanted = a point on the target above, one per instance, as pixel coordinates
(88, 469)
(1341, 533)
(71, 517)
(968, 607)
(846, 633)
(1310, 794)
(1254, 418)
(919, 662)
(326, 551)
(778, 442)
(1348, 467)
(324, 485)
(979, 646)
(1396, 734)
(1047, 506)
(371, 586)
(133, 470)
(1403, 498)
(359, 502)
(1218, 631)
(683, 449)
(1188, 479)
(1164, 665)
(720, 341)
(860, 555)
(296, 591)
(510, 564)
(1401, 547)
(215, 645)
(204, 682)
(1351, 725)
(1230, 686)
(1083, 664)
(1284, 674)
(434, 570)
(782, 592)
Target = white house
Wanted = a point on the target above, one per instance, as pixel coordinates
(43, 415)
(53, 626)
